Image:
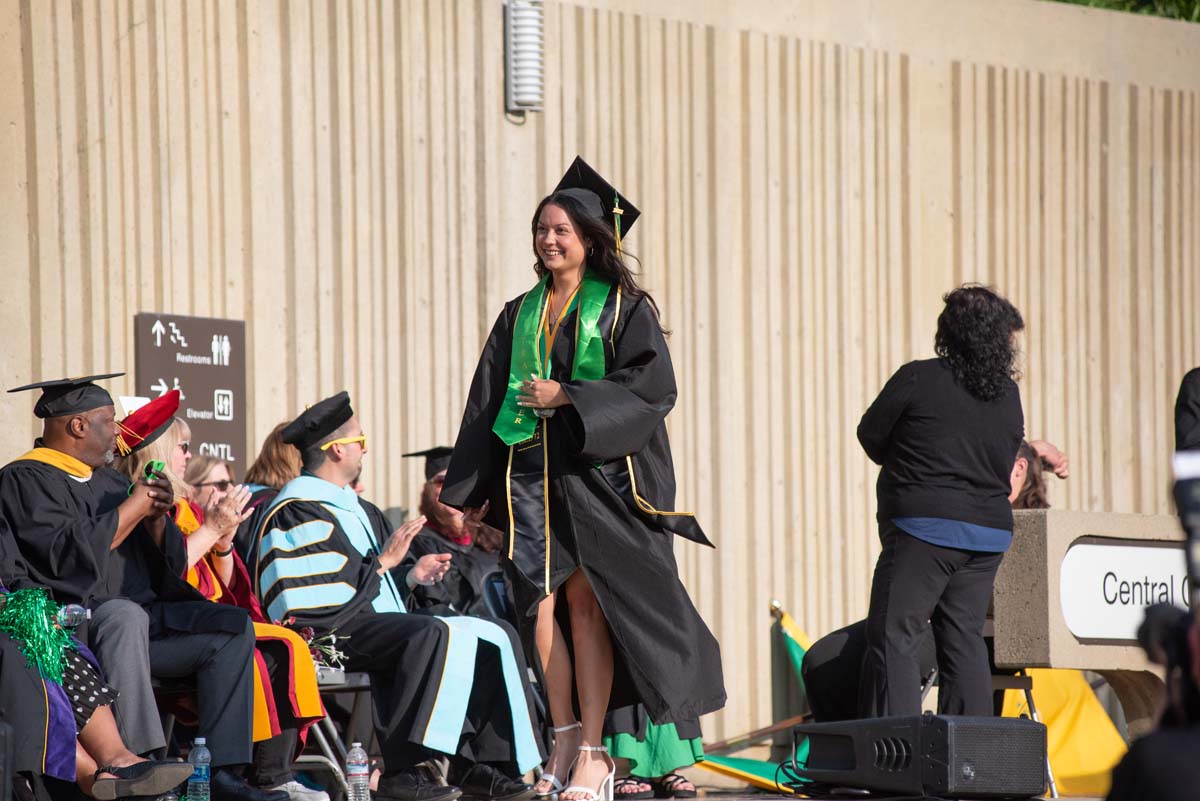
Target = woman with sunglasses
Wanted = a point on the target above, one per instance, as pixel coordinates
(208, 510)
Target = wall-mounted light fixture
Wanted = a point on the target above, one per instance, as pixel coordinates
(524, 55)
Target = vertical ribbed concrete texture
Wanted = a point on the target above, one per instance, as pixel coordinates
(814, 174)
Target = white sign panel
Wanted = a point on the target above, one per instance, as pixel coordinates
(1106, 588)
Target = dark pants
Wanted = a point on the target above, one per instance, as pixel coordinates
(403, 654)
(832, 671)
(223, 667)
(272, 764)
(916, 585)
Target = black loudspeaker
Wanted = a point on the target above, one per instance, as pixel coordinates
(946, 756)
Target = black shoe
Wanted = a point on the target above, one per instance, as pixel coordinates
(485, 782)
(140, 779)
(407, 787)
(226, 786)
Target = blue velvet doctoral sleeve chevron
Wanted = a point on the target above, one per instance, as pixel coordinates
(308, 569)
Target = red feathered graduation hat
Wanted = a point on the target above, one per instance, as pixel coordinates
(146, 423)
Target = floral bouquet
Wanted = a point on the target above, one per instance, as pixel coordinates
(324, 649)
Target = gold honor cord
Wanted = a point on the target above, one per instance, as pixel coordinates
(515, 423)
(642, 503)
(512, 523)
(534, 330)
(546, 495)
(550, 333)
(617, 212)
(612, 335)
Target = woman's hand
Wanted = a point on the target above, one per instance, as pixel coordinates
(396, 549)
(473, 517)
(224, 544)
(488, 539)
(1053, 458)
(542, 393)
(431, 568)
(229, 512)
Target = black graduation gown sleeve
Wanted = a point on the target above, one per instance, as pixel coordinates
(479, 456)
(875, 427)
(357, 573)
(435, 599)
(14, 575)
(1187, 412)
(64, 542)
(461, 590)
(25, 702)
(619, 413)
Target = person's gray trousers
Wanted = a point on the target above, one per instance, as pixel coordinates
(119, 636)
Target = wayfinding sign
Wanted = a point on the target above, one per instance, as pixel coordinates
(1106, 585)
(205, 359)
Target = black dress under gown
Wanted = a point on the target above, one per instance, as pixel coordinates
(610, 500)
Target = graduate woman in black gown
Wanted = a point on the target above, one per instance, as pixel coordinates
(563, 447)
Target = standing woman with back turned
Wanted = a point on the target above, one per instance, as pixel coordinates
(563, 446)
(946, 432)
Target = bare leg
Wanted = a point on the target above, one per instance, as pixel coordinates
(556, 667)
(102, 741)
(85, 769)
(593, 678)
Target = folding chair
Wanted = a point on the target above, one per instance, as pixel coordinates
(324, 734)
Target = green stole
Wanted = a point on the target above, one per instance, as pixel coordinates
(518, 427)
(517, 423)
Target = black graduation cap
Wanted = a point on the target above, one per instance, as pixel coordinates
(318, 421)
(64, 396)
(436, 459)
(586, 185)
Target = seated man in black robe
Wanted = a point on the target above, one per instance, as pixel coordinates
(473, 553)
(451, 685)
(90, 538)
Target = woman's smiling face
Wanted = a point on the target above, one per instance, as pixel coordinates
(558, 243)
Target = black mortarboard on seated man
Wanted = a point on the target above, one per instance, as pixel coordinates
(67, 396)
(436, 459)
(599, 197)
(318, 421)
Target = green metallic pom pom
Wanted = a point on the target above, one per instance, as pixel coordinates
(28, 616)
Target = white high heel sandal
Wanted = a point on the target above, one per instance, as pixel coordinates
(556, 786)
(605, 793)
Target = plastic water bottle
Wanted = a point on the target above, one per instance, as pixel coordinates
(201, 760)
(72, 615)
(358, 774)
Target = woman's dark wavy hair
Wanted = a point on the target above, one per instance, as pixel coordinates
(602, 258)
(974, 337)
(1033, 493)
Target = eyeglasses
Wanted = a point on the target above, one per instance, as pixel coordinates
(183, 446)
(222, 485)
(361, 439)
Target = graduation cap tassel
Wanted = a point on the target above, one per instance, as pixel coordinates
(617, 212)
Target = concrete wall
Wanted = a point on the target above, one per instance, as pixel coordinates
(814, 174)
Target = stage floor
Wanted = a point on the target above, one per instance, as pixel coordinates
(725, 793)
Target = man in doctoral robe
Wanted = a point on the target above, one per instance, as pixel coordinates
(90, 538)
(450, 685)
